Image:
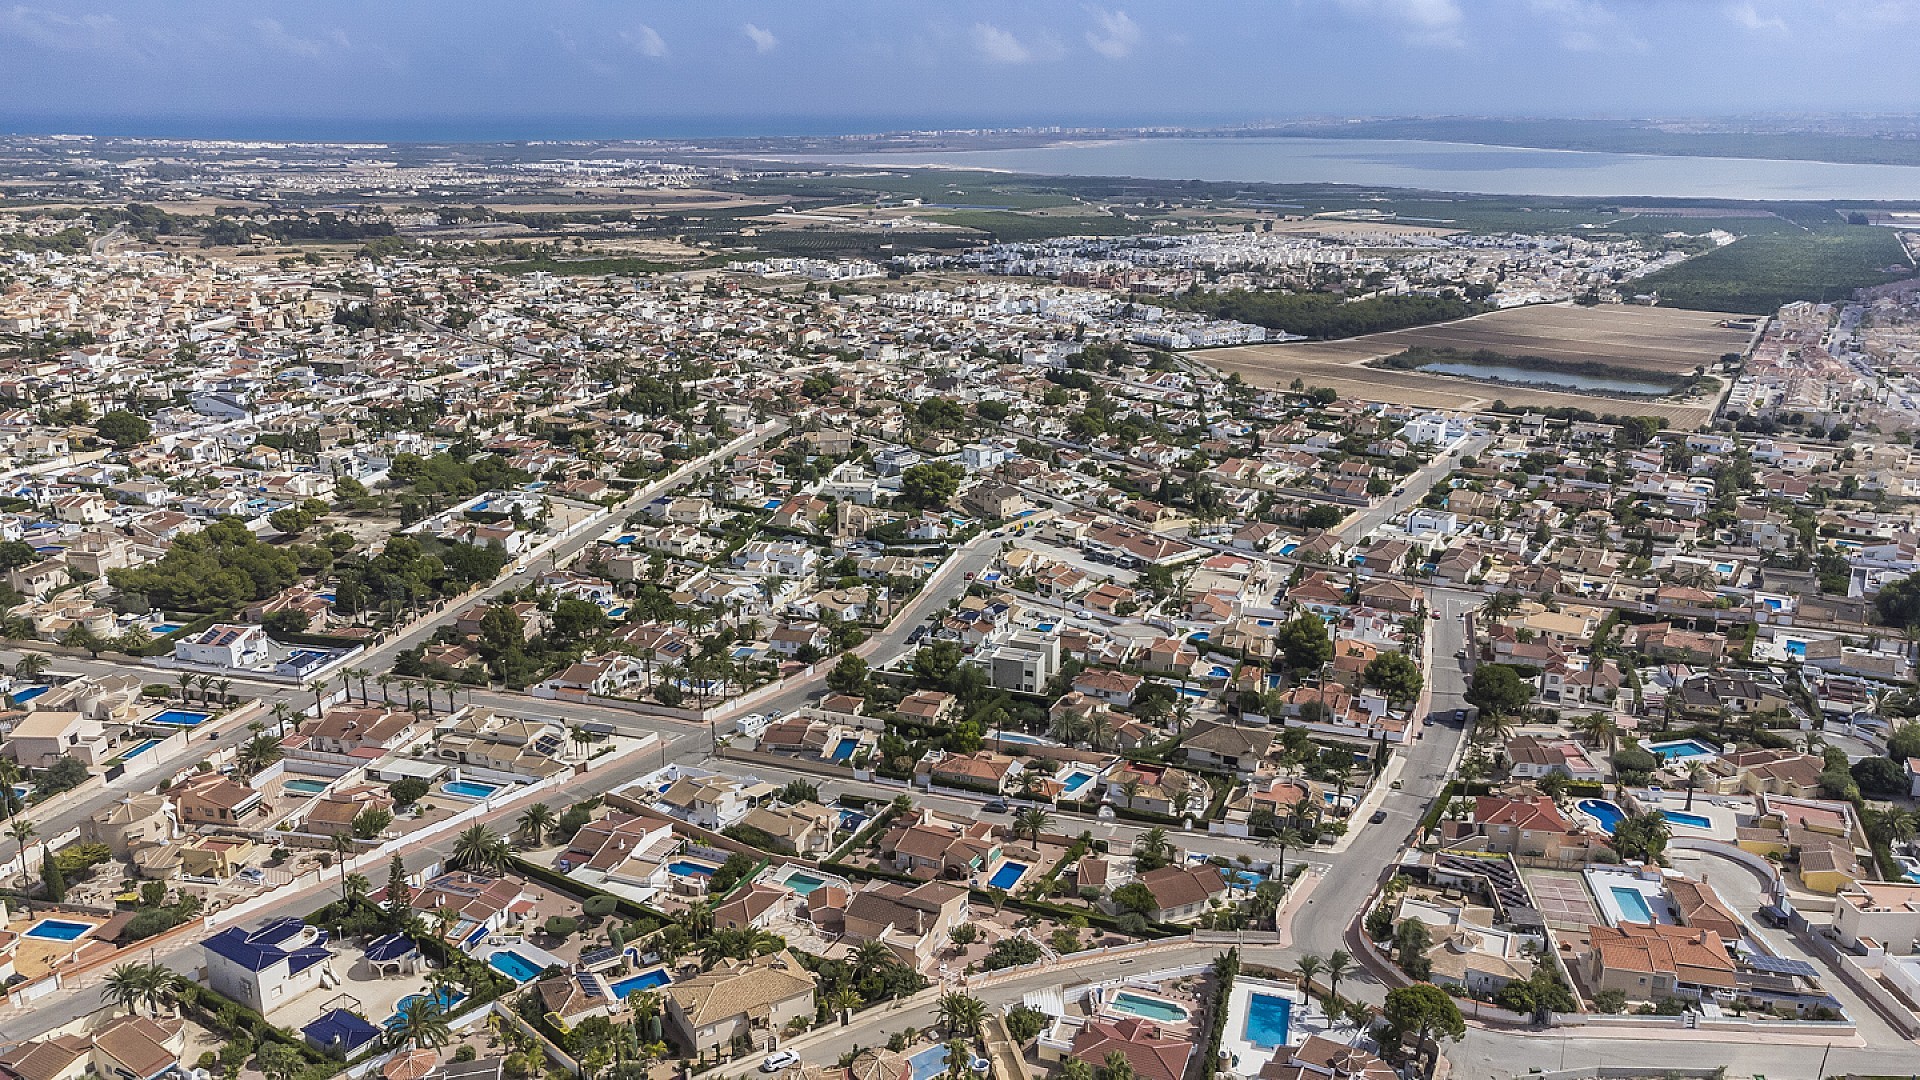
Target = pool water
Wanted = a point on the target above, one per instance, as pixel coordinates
(468, 789)
(141, 748)
(1608, 815)
(1269, 1016)
(682, 868)
(1248, 878)
(1633, 905)
(446, 997)
(1134, 1004)
(803, 883)
(513, 965)
(646, 980)
(305, 787)
(1681, 817)
(179, 718)
(1007, 875)
(1678, 751)
(22, 696)
(165, 628)
(844, 749)
(930, 1062)
(1076, 780)
(59, 930)
(1217, 672)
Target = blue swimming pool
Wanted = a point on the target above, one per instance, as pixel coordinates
(1076, 780)
(683, 868)
(180, 718)
(1217, 672)
(140, 748)
(1247, 878)
(28, 693)
(844, 749)
(1681, 817)
(165, 628)
(1608, 815)
(513, 965)
(646, 980)
(59, 930)
(1152, 1008)
(1269, 1016)
(803, 883)
(446, 997)
(1008, 874)
(305, 787)
(1681, 749)
(469, 789)
(930, 1062)
(1633, 905)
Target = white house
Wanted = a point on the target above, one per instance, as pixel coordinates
(268, 967)
(226, 645)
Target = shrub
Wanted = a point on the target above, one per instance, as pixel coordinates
(561, 926)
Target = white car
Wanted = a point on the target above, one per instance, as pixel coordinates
(779, 1059)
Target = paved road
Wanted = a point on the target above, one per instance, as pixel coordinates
(1415, 487)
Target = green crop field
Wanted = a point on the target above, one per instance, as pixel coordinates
(1758, 273)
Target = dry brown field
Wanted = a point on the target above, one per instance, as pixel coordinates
(1669, 341)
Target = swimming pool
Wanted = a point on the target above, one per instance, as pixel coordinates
(683, 868)
(1269, 1016)
(179, 718)
(165, 628)
(469, 789)
(1632, 904)
(446, 997)
(1217, 672)
(140, 748)
(513, 965)
(1680, 750)
(803, 883)
(646, 980)
(1076, 780)
(844, 749)
(1797, 649)
(1247, 878)
(930, 1062)
(305, 787)
(1019, 737)
(1008, 874)
(1692, 821)
(1608, 815)
(59, 930)
(1152, 1008)
(21, 697)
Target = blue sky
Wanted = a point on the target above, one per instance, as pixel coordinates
(731, 66)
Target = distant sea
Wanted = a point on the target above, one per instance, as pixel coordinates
(1433, 166)
(441, 129)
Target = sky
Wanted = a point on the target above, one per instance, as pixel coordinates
(601, 68)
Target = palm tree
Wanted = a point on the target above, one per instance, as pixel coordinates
(1696, 772)
(30, 665)
(844, 1001)
(961, 1014)
(422, 1023)
(1032, 822)
(9, 776)
(1308, 966)
(871, 956)
(1598, 727)
(225, 686)
(480, 848)
(1280, 841)
(186, 686)
(385, 682)
(283, 714)
(126, 985)
(536, 821)
(23, 832)
(318, 688)
(354, 890)
(205, 683)
(1339, 962)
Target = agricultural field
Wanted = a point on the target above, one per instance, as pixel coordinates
(1758, 273)
(1654, 340)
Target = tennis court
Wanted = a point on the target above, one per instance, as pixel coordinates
(1562, 899)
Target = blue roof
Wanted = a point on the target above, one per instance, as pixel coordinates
(341, 1030)
(260, 949)
(389, 947)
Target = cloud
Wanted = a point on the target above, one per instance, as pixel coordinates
(276, 36)
(763, 40)
(56, 30)
(999, 46)
(1748, 17)
(647, 41)
(1114, 35)
(1588, 26)
(1423, 22)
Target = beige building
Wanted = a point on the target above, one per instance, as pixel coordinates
(135, 821)
(1879, 913)
(751, 1000)
(43, 737)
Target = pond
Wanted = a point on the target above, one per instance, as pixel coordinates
(1560, 380)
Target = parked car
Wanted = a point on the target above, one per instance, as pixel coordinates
(995, 806)
(779, 1059)
(1378, 817)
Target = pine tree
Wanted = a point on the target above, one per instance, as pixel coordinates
(399, 896)
(53, 879)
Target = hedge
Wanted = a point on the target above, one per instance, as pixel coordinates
(1226, 969)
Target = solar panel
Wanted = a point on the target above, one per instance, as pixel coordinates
(1780, 965)
(599, 956)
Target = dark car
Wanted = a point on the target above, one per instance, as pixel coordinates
(1378, 817)
(995, 806)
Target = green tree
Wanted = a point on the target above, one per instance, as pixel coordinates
(931, 484)
(849, 675)
(1303, 641)
(480, 848)
(1394, 674)
(399, 894)
(122, 428)
(1411, 940)
(1498, 690)
(52, 879)
(1421, 1011)
(1642, 837)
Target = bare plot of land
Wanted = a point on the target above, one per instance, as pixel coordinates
(1670, 342)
